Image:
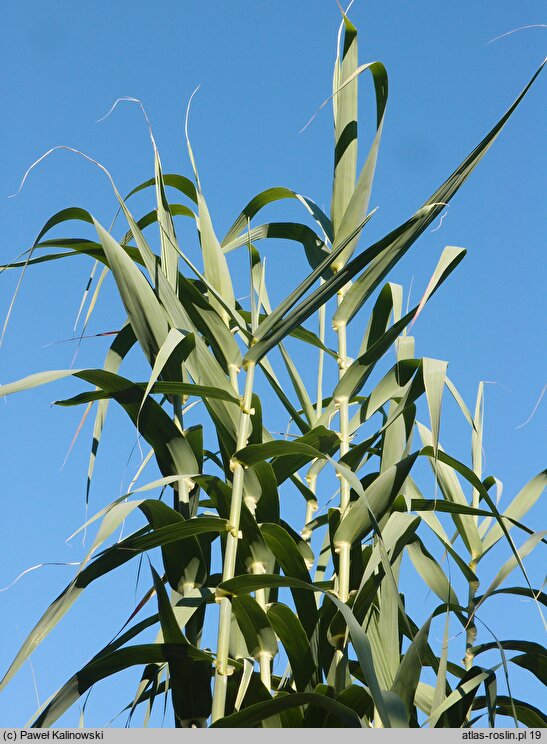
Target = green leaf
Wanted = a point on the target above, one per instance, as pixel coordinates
(290, 456)
(430, 571)
(171, 448)
(274, 319)
(168, 238)
(255, 453)
(344, 100)
(392, 248)
(372, 502)
(120, 347)
(378, 322)
(181, 183)
(522, 591)
(521, 504)
(190, 680)
(255, 626)
(252, 548)
(176, 210)
(434, 373)
(299, 387)
(527, 714)
(529, 647)
(315, 717)
(409, 672)
(108, 560)
(456, 705)
(143, 309)
(165, 386)
(360, 197)
(246, 584)
(470, 476)
(441, 683)
(254, 714)
(394, 385)
(293, 565)
(535, 663)
(214, 262)
(184, 562)
(314, 248)
(476, 440)
(356, 698)
(201, 364)
(452, 491)
(292, 635)
(512, 563)
(360, 370)
(324, 441)
(170, 357)
(109, 665)
(268, 197)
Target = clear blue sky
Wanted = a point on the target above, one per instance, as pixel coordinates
(264, 67)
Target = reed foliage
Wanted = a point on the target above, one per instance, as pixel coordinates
(237, 580)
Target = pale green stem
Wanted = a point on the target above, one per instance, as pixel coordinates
(311, 506)
(341, 654)
(343, 405)
(319, 401)
(182, 485)
(187, 591)
(471, 628)
(230, 554)
(233, 371)
(264, 659)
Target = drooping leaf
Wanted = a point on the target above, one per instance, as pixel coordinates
(190, 679)
(521, 504)
(109, 665)
(527, 714)
(255, 626)
(373, 502)
(255, 714)
(292, 635)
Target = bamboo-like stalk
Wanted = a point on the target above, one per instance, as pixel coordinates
(321, 360)
(340, 658)
(264, 657)
(311, 506)
(471, 628)
(183, 491)
(230, 554)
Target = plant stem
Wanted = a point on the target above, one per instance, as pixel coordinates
(230, 554)
(233, 371)
(311, 505)
(344, 560)
(471, 632)
(471, 628)
(264, 658)
(341, 654)
(183, 492)
(319, 401)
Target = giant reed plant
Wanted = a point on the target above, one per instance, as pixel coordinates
(327, 596)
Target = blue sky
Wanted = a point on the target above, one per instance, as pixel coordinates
(264, 68)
